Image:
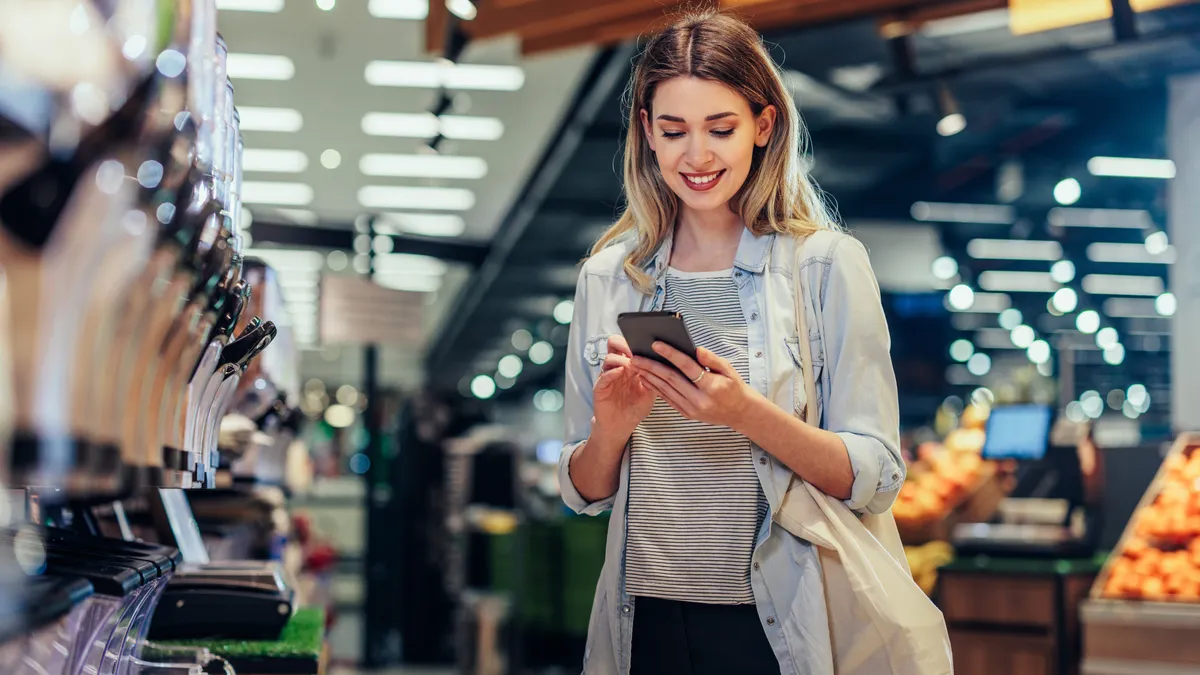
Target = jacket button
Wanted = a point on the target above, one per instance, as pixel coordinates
(770, 621)
(758, 355)
(624, 609)
(754, 316)
(762, 460)
(756, 567)
(895, 476)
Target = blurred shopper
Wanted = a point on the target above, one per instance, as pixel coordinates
(694, 462)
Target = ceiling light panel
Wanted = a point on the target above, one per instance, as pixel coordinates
(278, 194)
(416, 283)
(983, 214)
(1132, 167)
(424, 224)
(985, 303)
(444, 74)
(1104, 252)
(1131, 308)
(422, 166)
(1134, 219)
(409, 263)
(1014, 249)
(1122, 284)
(274, 161)
(412, 10)
(270, 119)
(1017, 282)
(427, 125)
(259, 67)
(408, 197)
(271, 6)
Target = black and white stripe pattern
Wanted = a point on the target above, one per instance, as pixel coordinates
(695, 503)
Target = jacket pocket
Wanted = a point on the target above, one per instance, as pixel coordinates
(594, 351)
(799, 396)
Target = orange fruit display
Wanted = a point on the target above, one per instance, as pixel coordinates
(1160, 559)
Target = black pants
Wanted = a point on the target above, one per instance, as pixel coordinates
(683, 638)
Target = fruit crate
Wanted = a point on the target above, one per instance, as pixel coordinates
(977, 503)
(1143, 613)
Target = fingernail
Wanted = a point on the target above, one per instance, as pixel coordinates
(658, 346)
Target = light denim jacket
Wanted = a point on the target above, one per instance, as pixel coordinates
(856, 392)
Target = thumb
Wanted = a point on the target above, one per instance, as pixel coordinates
(713, 362)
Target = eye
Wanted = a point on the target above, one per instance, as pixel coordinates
(672, 134)
(723, 133)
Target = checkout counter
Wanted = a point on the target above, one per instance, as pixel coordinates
(1011, 597)
(128, 333)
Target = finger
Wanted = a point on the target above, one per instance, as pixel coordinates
(664, 372)
(681, 397)
(618, 345)
(615, 361)
(682, 361)
(668, 393)
(710, 360)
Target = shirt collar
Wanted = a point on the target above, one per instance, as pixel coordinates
(752, 254)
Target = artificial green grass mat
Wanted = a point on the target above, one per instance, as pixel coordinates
(302, 637)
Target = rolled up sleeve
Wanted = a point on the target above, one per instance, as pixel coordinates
(861, 405)
(577, 407)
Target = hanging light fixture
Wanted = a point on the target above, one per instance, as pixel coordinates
(952, 120)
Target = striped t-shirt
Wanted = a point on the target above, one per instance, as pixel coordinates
(695, 503)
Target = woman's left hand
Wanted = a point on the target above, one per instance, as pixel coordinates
(710, 390)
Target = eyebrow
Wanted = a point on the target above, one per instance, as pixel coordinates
(710, 118)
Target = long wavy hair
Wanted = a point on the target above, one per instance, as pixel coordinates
(778, 195)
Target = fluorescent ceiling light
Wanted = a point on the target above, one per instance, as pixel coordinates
(1103, 252)
(1122, 284)
(409, 263)
(463, 9)
(1131, 167)
(259, 67)
(269, 119)
(407, 197)
(424, 224)
(413, 10)
(417, 283)
(276, 161)
(469, 128)
(299, 216)
(978, 22)
(251, 5)
(1017, 282)
(1135, 219)
(994, 214)
(427, 125)
(984, 303)
(1131, 308)
(422, 166)
(443, 74)
(1014, 249)
(279, 194)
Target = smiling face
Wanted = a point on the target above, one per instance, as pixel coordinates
(703, 134)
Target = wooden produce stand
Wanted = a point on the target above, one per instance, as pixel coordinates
(1143, 614)
(1015, 616)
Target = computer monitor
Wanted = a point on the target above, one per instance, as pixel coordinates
(1018, 432)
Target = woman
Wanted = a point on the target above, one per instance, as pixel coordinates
(694, 463)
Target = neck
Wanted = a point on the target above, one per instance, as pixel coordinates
(706, 240)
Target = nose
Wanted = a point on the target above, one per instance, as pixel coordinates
(698, 156)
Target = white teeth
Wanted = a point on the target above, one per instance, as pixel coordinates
(703, 179)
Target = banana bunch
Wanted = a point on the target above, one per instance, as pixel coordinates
(925, 560)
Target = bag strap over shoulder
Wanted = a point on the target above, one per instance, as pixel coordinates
(798, 292)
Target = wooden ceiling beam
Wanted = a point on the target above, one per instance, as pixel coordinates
(535, 18)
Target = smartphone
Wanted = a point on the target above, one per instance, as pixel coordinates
(643, 329)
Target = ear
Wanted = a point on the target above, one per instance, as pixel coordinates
(765, 124)
(647, 129)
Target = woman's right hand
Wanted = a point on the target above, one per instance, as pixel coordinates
(621, 400)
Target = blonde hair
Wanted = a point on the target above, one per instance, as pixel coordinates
(778, 195)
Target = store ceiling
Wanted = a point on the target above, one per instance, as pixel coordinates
(1045, 103)
(327, 55)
